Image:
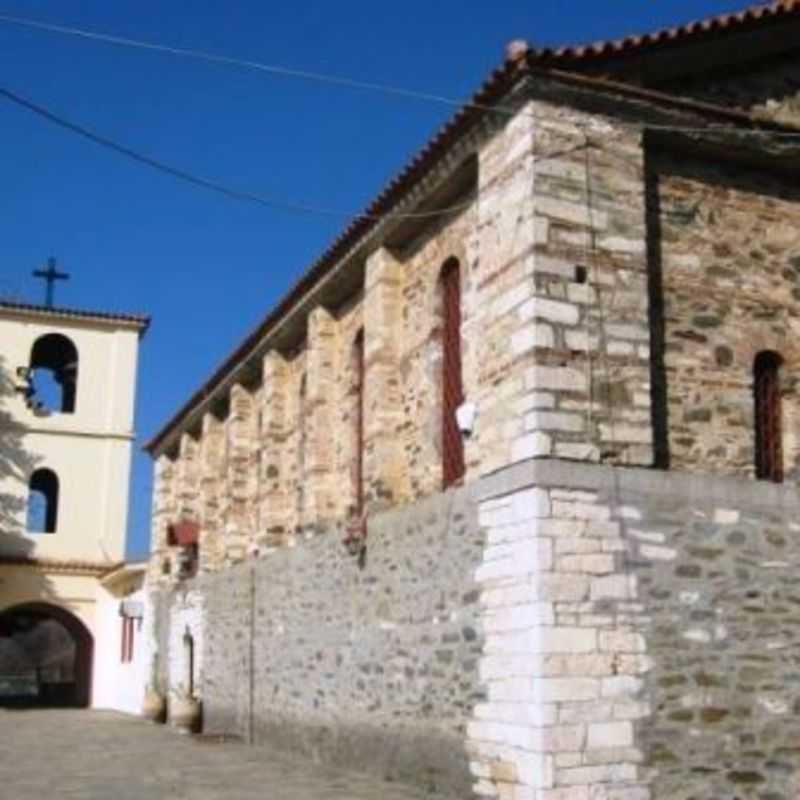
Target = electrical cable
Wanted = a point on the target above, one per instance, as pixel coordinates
(336, 80)
(205, 183)
(214, 58)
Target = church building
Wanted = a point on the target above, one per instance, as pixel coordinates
(67, 380)
(501, 498)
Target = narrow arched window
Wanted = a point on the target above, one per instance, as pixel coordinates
(54, 374)
(188, 661)
(301, 449)
(357, 361)
(767, 403)
(452, 387)
(43, 502)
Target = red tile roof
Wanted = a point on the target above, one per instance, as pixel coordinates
(139, 320)
(750, 17)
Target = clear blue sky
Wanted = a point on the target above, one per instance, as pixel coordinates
(205, 267)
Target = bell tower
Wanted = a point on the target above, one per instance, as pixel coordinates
(67, 385)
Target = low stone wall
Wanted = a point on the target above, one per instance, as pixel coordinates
(373, 666)
(563, 657)
(701, 585)
(557, 631)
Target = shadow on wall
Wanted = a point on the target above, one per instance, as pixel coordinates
(16, 464)
(45, 651)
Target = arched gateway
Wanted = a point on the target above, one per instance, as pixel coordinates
(45, 657)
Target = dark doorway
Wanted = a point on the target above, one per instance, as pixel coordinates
(45, 657)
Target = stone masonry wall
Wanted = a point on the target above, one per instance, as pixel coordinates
(375, 666)
(564, 657)
(726, 245)
(666, 644)
(278, 465)
(583, 311)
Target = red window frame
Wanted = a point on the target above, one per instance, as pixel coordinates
(358, 368)
(768, 417)
(126, 649)
(453, 466)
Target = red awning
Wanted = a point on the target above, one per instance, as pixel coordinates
(183, 533)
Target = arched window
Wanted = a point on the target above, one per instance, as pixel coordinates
(767, 404)
(452, 387)
(357, 361)
(54, 373)
(43, 502)
(301, 450)
(188, 661)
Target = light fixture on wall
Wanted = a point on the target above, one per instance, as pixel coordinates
(466, 415)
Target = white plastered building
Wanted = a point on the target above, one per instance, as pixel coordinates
(67, 386)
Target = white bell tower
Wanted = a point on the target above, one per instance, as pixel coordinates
(67, 385)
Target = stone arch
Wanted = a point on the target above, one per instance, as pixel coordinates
(62, 674)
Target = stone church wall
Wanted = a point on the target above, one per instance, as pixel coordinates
(374, 667)
(588, 386)
(726, 244)
(273, 459)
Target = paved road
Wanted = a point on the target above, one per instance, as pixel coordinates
(97, 755)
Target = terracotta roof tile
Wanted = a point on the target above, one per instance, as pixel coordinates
(679, 34)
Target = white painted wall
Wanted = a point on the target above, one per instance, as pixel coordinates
(89, 450)
(116, 685)
(185, 614)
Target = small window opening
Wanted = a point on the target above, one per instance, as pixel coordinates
(768, 423)
(53, 374)
(188, 661)
(358, 422)
(126, 655)
(452, 386)
(301, 449)
(581, 274)
(42, 516)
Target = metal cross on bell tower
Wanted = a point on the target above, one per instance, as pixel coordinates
(50, 275)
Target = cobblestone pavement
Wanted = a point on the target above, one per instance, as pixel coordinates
(100, 755)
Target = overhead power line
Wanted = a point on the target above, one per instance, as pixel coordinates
(272, 69)
(338, 80)
(205, 183)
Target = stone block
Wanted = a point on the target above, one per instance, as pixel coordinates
(532, 335)
(554, 690)
(554, 311)
(532, 445)
(565, 793)
(616, 587)
(554, 421)
(606, 773)
(575, 213)
(609, 734)
(567, 379)
(621, 686)
(567, 640)
(622, 642)
(593, 564)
